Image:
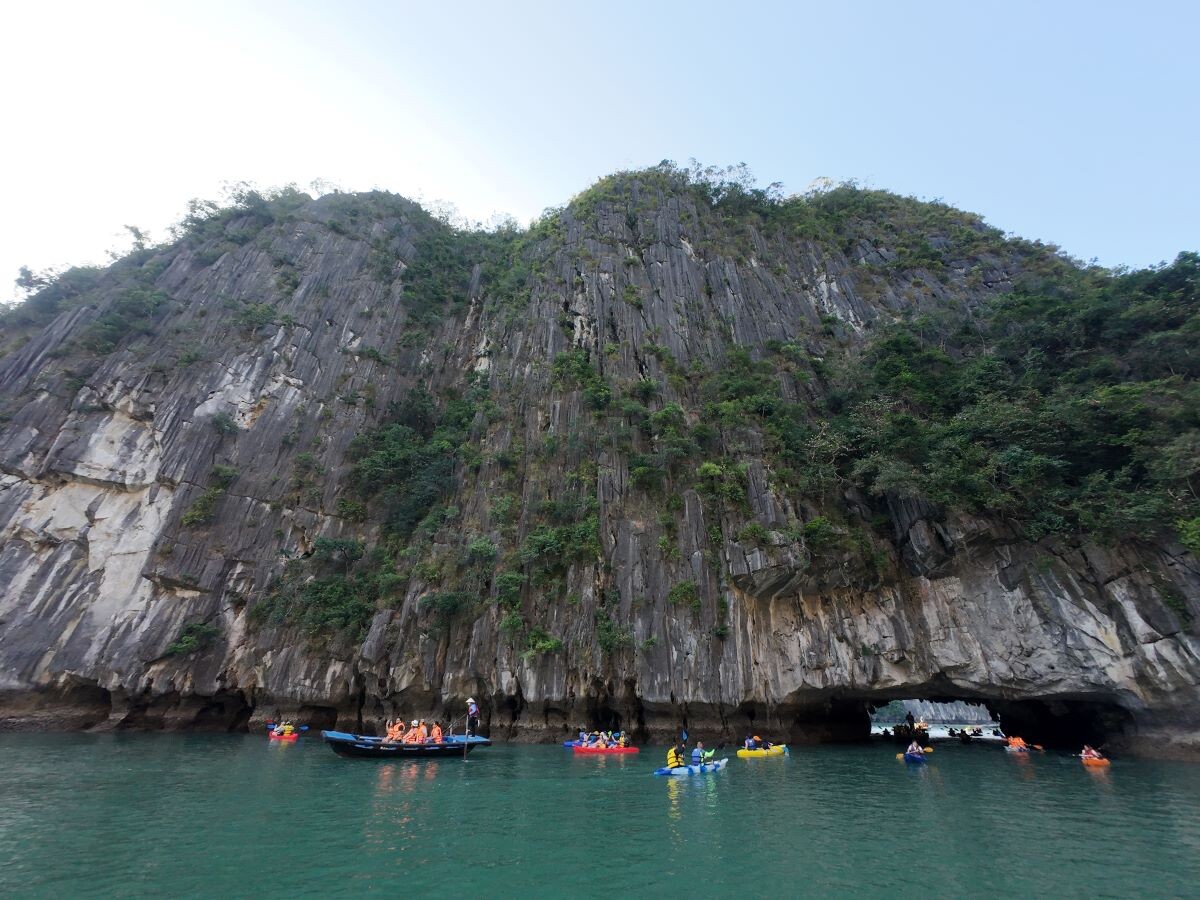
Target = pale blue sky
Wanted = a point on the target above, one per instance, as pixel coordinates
(1075, 123)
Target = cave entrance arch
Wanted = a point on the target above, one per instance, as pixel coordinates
(1065, 723)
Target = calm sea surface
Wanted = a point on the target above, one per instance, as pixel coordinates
(236, 816)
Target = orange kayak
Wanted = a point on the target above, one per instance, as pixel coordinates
(283, 737)
(1094, 761)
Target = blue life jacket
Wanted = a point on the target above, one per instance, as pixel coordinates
(697, 755)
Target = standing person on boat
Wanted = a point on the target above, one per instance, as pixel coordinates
(472, 716)
(675, 757)
(909, 720)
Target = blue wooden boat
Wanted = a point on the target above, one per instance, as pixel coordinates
(363, 747)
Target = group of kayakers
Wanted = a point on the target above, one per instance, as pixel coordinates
(676, 756)
(603, 739)
(283, 728)
(417, 732)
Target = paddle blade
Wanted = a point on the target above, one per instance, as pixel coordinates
(304, 728)
(899, 756)
(927, 749)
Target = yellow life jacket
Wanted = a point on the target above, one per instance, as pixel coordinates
(674, 760)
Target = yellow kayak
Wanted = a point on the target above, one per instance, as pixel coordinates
(777, 750)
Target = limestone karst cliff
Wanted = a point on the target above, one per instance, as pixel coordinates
(682, 452)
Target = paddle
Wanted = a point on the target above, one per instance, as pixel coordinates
(923, 750)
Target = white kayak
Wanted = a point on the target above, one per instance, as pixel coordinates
(693, 770)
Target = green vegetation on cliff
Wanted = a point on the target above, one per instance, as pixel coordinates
(900, 351)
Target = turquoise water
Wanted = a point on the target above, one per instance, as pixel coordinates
(236, 816)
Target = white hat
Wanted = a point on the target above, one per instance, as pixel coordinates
(470, 699)
(414, 723)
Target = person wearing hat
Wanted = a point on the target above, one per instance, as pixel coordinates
(472, 716)
(410, 736)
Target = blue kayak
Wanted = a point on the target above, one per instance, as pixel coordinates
(914, 757)
(701, 769)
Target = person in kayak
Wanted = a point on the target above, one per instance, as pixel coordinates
(675, 757)
(472, 716)
(1089, 752)
(435, 735)
(698, 753)
(751, 743)
(1018, 743)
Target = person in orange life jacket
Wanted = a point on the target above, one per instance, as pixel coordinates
(422, 732)
(472, 716)
(410, 736)
(389, 732)
(435, 736)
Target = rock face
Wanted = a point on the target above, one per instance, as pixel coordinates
(156, 484)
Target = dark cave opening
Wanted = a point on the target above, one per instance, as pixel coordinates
(1064, 723)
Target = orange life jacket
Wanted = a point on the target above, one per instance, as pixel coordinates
(436, 736)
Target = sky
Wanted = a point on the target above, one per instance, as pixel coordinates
(1073, 123)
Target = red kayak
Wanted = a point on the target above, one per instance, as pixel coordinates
(605, 749)
(283, 737)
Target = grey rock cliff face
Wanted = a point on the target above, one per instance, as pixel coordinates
(274, 352)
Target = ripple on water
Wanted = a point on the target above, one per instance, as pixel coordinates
(140, 815)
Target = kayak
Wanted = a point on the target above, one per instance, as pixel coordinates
(1011, 749)
(1099, 762)
(581, 749)
(701, 769)
(915, 758)
(777, 750)
(283, 737)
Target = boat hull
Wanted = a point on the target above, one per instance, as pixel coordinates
(295, 735)
(777, 750)
(685, 771)
(355, 746)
